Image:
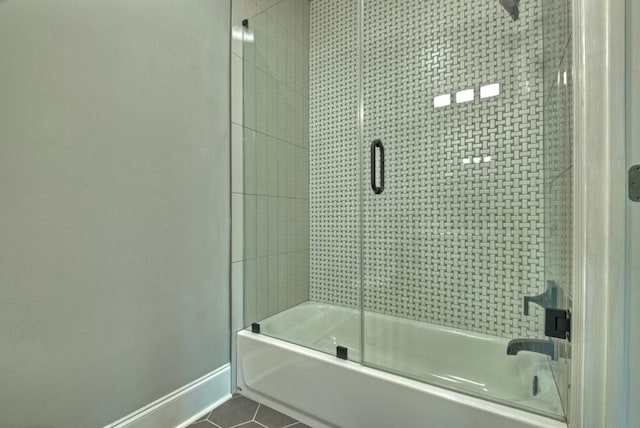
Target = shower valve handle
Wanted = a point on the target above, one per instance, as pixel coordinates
(548, 299)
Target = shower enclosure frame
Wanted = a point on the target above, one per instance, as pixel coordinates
(599, 203)
(597, 375)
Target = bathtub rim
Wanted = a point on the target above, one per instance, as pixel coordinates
(469, 401)
(497, 342)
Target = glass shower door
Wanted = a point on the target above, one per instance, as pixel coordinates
(453, 197)
(299, 262)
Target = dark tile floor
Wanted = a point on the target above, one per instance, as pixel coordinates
(239, 412)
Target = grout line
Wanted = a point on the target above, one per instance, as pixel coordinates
(273, 255)
(262, 425)
(290, 425)
(256, 412)
(274, 137)
(270, 196)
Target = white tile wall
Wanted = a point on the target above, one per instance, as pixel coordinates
(237, 227)
(236, 90)
(237, 142)
(270, 161)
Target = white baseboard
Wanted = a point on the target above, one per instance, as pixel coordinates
(183, 406)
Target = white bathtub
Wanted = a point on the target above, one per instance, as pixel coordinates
(324, 391)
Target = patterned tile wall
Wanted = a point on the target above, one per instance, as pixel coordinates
(334, 153)
(450, 241)
(272, 159)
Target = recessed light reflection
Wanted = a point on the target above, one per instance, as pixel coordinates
(491, 90)
(467, 95)
(476, 159)
(442, 100)
(464, 96)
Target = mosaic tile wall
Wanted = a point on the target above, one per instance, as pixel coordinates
(457, 237)
(333, 153)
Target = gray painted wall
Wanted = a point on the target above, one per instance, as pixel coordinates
(114, 223)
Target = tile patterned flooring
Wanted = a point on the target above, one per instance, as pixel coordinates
(242, 412)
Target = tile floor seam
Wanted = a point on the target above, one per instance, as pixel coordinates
(251, 422)
(241, 423)
(256, 413)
